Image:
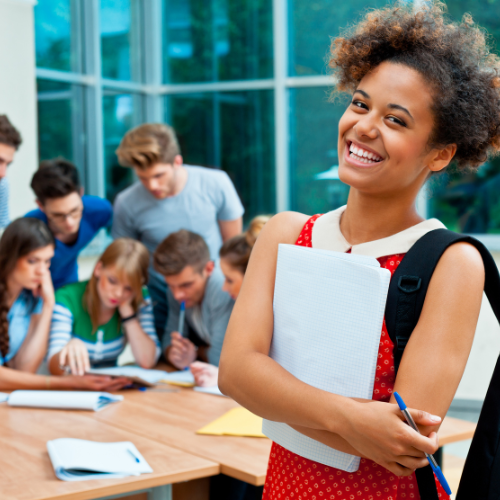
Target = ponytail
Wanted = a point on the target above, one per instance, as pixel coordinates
(237, 250)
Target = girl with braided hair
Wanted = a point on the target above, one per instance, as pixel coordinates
(26, 305)
(423, 92)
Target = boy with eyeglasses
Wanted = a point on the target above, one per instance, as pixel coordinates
(73, 218)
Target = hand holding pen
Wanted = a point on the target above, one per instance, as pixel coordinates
(432, 462)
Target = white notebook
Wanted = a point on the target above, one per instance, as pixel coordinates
(78, 460)
(136, 374)
(328, 314)
(63, 400)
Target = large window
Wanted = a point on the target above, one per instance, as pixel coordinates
(245, 84)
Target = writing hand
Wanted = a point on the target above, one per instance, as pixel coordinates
(182, 351)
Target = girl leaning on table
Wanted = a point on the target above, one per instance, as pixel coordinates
(234, 256)
(93, 320)
(26, 304)
(425, 92)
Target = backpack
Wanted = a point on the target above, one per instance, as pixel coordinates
(408, 287)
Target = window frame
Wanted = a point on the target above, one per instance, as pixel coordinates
(152, 91)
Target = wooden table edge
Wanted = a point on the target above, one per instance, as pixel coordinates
(142, 482)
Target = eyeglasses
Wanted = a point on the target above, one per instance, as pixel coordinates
(76, 213)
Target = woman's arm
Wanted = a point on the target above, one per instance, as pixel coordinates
(11, 380)
(141, 334)
(374, 429)
(435, 357)
(34, 347)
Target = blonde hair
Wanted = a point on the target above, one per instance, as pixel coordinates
(237, 250)
(148, 144)
(131, 259)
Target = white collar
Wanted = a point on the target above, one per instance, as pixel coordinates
(326, 235)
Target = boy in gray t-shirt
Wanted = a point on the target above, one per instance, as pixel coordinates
(171, 196)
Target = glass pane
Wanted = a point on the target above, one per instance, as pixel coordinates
(56, 34)
(315, 187)
(120, 39)
(212, 40)
(470, 202)
(233, 131)
(121, 112)
(312, 23)
(61, 122)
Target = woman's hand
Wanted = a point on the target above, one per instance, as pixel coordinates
(75, 355)
(95, 382)
(205, 374)
(126, 309)
(46, 290)
(182, 352)
(377, 430)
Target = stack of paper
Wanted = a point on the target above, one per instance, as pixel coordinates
(236, 422)
(141, 376)
(328, 314)
(63, 400)
(78, 460)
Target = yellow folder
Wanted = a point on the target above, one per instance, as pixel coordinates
(236, 422)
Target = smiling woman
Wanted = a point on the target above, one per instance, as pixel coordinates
(425, 92)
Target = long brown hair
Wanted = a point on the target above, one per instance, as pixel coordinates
(20, 238)
(237, 250)
(131, 260)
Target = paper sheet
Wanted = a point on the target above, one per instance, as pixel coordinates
(215, 391)
(236, 422)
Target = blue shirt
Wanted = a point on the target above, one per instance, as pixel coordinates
(96, 215)
(4, 203)
(19, 317)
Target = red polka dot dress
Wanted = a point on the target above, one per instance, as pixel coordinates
(292, 477)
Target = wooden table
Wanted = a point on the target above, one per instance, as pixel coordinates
(174, 418)
(26, 472)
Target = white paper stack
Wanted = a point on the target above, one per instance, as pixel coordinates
(78, 460)
(328, 314)
(141, 376)
(63, 400)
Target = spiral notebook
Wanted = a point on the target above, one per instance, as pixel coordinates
(328, 314)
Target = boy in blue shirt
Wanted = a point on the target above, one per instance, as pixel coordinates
(73, 218)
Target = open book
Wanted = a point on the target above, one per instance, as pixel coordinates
(141, 376)
(63, 400)
(328, 314)
(77, 459)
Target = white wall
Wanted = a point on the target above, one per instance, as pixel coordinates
(484, 354)
(18, 96)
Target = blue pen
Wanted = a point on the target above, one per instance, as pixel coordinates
(134, 457)
(435, 467)
(182, 314)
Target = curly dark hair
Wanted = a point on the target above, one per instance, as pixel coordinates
(8, 133)
(454, 58)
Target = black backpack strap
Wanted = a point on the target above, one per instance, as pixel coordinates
(406, 297)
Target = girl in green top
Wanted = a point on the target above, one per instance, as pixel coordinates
(93, 320)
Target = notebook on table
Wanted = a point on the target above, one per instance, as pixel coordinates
(328, 313)
(78, 460)
(141, 376)
(63, 400)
